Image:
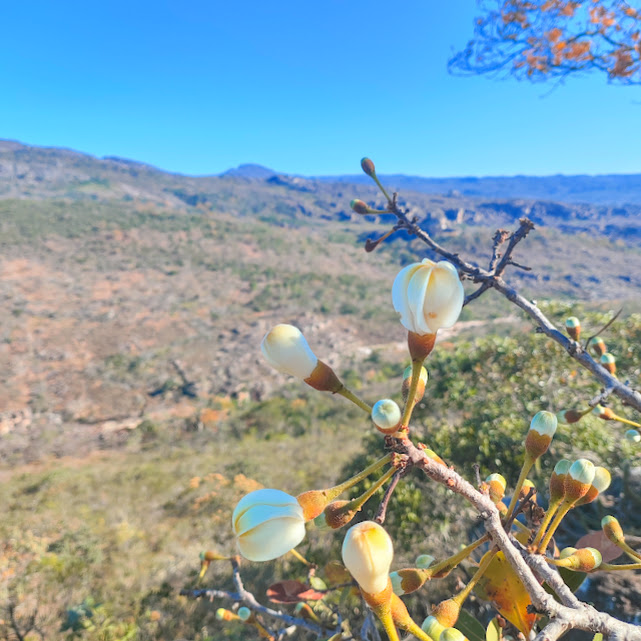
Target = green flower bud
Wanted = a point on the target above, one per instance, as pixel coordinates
(451, 634)
(597, 345)
(539, 436)
(432, 627)
(612, 529)
(359, 206)
(244, 613)
(609, 362)
(424, 561)
(573, 327)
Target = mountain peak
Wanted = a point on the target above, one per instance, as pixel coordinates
(250, 170)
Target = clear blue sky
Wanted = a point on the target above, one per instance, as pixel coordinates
(304, 86)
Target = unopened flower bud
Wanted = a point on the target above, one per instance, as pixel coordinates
(539, 436)
(447, 612)
(579, 479)
(367, 553)
(612, 529)
(597, 345)
(496, 486)
(423, 561)
(452, 634)
(632, 436)
(407, 382)
(566, 552)
(336, 516)
(568, 417)
(600, 483)
(225, 615)
(573, 327)
(368, 167)
(557, 480)
(267, 523)
(359, 206)
(408, 580)
(431, 454)
(432, 627)
(604, 413)
(609, 362)
(583, 560)
(244, 614)
(386, 415)
(526, 488)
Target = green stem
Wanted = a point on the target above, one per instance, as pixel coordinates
(528, 462)
(350, 396)
(629, 566)
(409, 405)
(414, 629)
(378, 182)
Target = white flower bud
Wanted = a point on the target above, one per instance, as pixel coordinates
(267, 524)
(582, 471)
(428, 296)
(367, 554)
(386, 415)
(287, 351)
(545, 423)
(632, 436)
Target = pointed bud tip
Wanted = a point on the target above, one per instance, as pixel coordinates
(368, 167)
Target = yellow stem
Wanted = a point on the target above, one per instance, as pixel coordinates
(451, 562)
(300, 557)
(552, 508)
(409, 404)
(626, 421)
(333, 492)
(566, 506)
(414, 629)
(629, 566)
(528, 462)
(350, 396)
(485, 562)
(359, 501)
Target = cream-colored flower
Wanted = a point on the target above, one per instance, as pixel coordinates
(287, 351)
(367, 554)
(267, 524)
(428, 296)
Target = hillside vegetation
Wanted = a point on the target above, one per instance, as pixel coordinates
(135, 409)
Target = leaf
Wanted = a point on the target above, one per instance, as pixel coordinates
(290, 591)
(494, 631)
(470, 627)
(572, 579)
(317, 583)
(597, 637)
(598, 540)
(500, 585)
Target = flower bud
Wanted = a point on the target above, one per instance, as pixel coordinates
(428, 296)
(604, 413)
(447, 612)
(496, 485)
(539, 436)
(568, 417)
(244, 614)
(432, 627)
(573, 327)
(566, 552)
(407, 382)
(597, 345)
(612, 529)
(408, 580)
(267, 524)
(287, 351)
(579, 479)
(583, 560)
(452, 634)
(632, 436)
(557, 480)
(600, 483)
(386, 415)
(210, 555)
(525, 490)
(225, 615)
(609, 362)
(367, 553)
(368, 167)
(336, 516)
(431, 454)
(423, 561)
(359, 206)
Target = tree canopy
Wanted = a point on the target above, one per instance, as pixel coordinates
(543, 39)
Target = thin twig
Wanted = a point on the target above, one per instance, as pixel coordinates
(600, 331)
(382, 508)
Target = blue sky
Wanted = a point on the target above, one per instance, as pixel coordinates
(307, 87)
